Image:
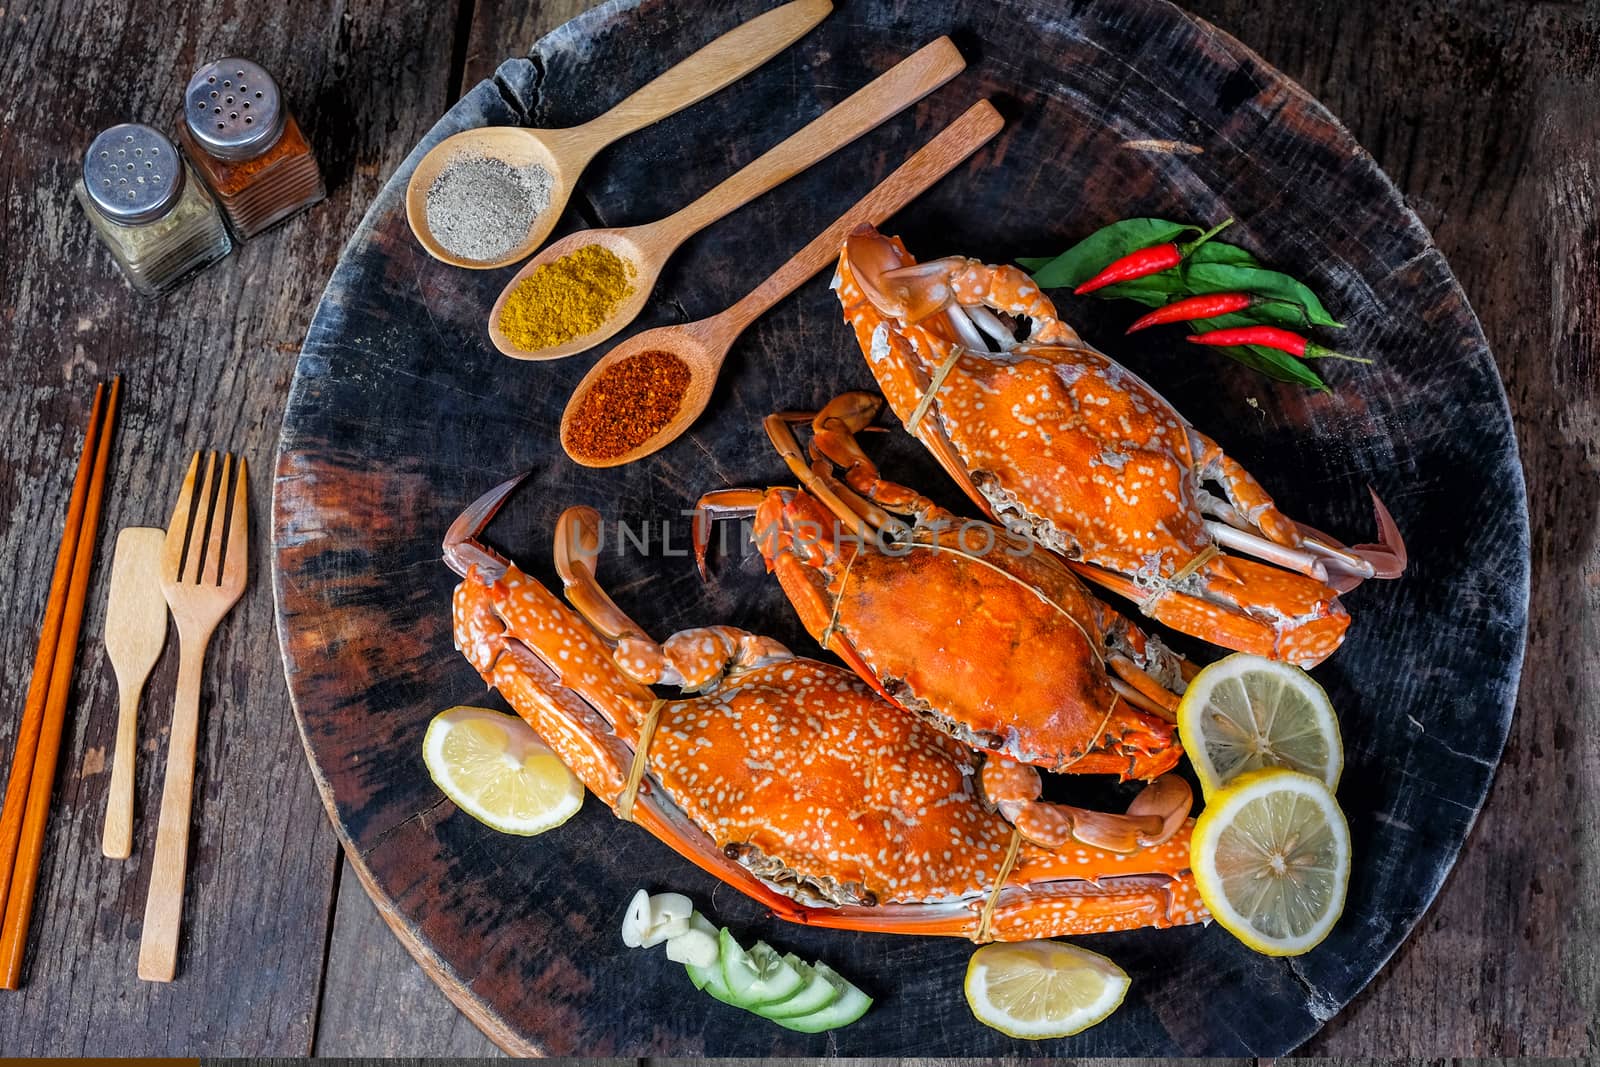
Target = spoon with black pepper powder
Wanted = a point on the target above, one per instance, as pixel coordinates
(643, 394)
(563, 154)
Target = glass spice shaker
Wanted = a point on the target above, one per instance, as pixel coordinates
(149, 208)
(247, 146)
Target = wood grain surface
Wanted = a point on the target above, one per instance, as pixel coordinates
(209, 365)
(1484, 113)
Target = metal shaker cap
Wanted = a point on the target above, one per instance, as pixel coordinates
(233, 109)
(133, 174)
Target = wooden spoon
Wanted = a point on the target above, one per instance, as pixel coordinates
(136, 631)
(703, 345)
(565, 153)
(648, 247)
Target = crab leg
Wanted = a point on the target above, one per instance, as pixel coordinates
(917, 290)
(1386, 559)
(1156, 815)
(1257, 510)
(1243, 490)
(833, 437)
(1149, 694)
(1082, 890)
(714, 506)
(1244, 541)
(1228, 618)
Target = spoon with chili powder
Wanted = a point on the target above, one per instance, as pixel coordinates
(644, 393)
(646, 249)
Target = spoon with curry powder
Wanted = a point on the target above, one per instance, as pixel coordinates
(563, 154)
(554, 306)
(648, 390)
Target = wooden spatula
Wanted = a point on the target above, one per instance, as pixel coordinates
(136, 631)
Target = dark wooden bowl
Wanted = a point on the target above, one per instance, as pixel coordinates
(401, 413)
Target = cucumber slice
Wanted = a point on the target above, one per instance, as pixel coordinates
(815, 995)
(850, 1006)
(757, 977)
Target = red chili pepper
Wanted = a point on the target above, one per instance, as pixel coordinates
(1138, 264)
(1266, 337)
(1208, 306)
(1147, 261)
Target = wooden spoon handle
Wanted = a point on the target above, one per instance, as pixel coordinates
(885, 96)
(163, 906)
(720, 63)
(910, 180)
(117, 841)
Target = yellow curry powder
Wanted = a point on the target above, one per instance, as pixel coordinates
(566, 298)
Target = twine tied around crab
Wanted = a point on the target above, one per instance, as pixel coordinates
(641, 759)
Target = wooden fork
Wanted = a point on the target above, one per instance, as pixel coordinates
(203, 571)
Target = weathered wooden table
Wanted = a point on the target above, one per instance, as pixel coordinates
(1486, 113)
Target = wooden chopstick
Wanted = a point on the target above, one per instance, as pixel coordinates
(49, 633)
(23, 847)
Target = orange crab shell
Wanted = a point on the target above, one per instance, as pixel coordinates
(1087, 443)
(1008, 637)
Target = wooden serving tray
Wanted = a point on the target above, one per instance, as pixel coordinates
(401, 413)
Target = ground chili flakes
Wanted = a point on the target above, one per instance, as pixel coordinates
(627, 405)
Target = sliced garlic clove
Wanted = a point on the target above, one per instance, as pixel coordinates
(663, 929)
(671, 906)
(694, 947)
(637, 922)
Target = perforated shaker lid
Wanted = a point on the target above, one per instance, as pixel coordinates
(233, 109)
(133, 173)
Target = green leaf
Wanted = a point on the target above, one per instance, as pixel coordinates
(1244, 278)
(1217, 252)
(1102, 248)
(1280, 366)
(1153, 290)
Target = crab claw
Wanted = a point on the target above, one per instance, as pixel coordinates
(922, 289)
(873, 258)
(462, 549)
(1350, 566)
(1169, 798)
(1388, 557)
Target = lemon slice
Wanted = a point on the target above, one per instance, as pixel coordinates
(1244, 712)
(1035, 989)
(1271, 859)
(495, 768)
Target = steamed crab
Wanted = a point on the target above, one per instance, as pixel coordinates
(789, 779)
(982, 635)
(1062, 443)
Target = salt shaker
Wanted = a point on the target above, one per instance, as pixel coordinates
(247, 146)
(149, 208)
